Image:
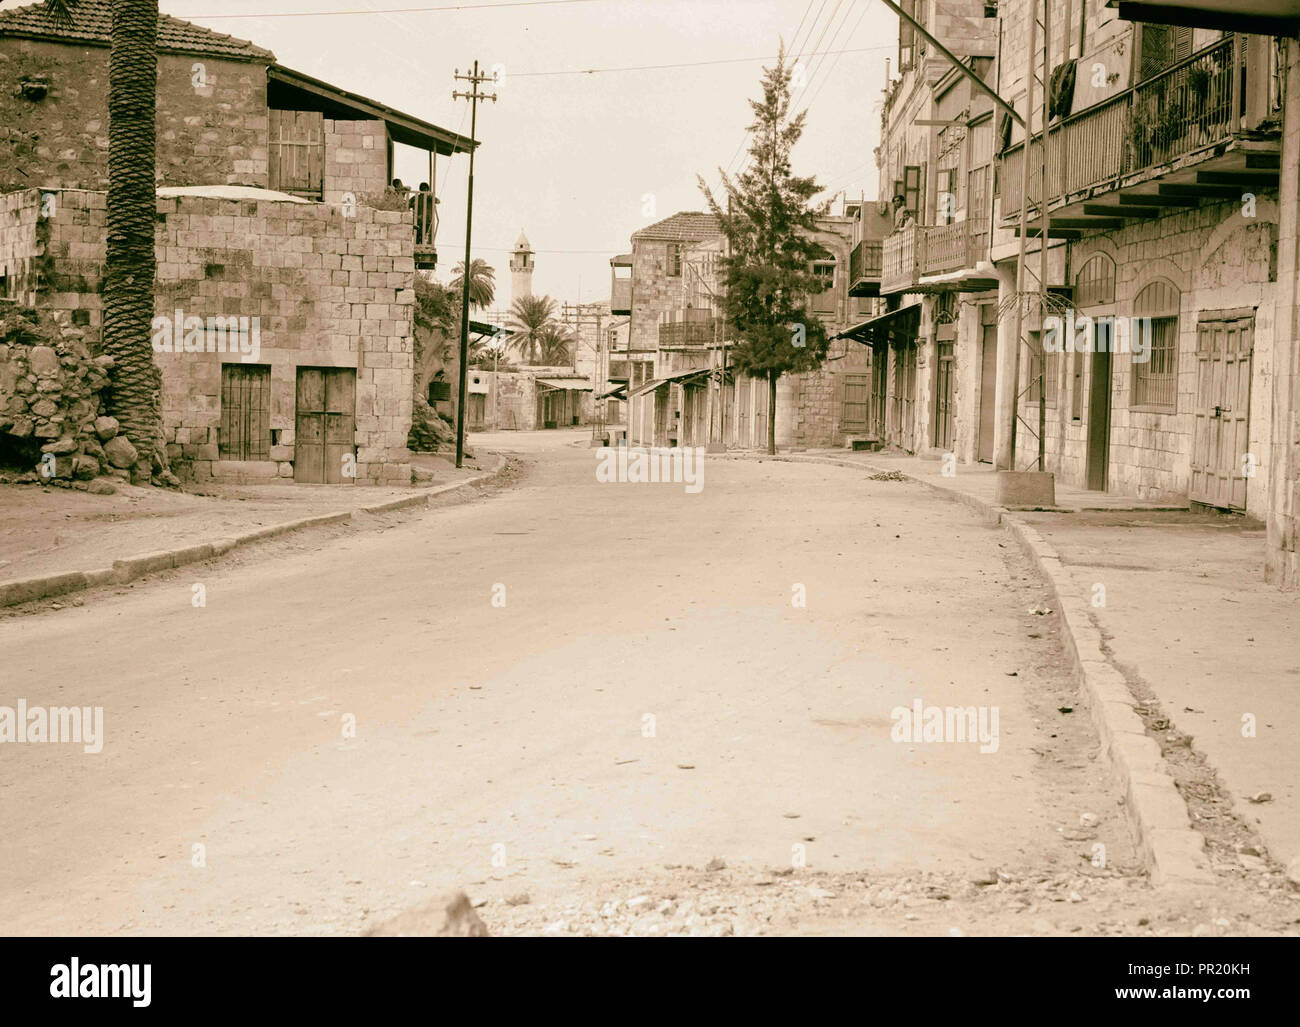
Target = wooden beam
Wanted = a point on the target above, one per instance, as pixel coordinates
(1264, 160)
(1238, 178)
(1217, 192)
(1157, 200)
(1102, 223)
(1052, 232)
(1116, 210)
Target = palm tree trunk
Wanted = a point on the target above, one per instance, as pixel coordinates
(771, 412)
(132, 201)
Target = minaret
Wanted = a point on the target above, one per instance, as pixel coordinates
(521, 269)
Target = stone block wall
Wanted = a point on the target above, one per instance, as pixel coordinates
(1219, 260)
(329, 291)
(212, 120)
(356, 159)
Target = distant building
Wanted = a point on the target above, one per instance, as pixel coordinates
(521, 269)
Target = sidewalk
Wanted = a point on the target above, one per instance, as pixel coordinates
(47, 532)
(1201, 641)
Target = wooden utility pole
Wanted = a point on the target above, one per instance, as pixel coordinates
(578, 316)
(473, 96)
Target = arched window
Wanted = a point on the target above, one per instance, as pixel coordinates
(1095, 283)
(1155, 330)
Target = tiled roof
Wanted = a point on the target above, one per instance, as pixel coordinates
(91, 23)
(688, 226)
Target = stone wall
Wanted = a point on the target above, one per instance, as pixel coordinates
(1219, 260)
(209, 134)
(356, 159)
(329, 290)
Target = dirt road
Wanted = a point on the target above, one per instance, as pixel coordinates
(567, 694)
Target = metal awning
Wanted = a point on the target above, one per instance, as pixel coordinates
(1261, 17)
(884, 326)
(617, 392)
(571, 384)
(676, 376)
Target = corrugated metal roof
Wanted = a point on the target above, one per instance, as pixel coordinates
(91, 22)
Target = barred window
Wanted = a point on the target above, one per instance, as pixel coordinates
(1052, 376)
(1155, 382)
(1095, 283)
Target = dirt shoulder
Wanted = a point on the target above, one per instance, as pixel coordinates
(49, 530)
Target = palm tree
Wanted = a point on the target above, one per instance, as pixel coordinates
(530, 316)
(554, 345)
(482, 282)
(129, 266)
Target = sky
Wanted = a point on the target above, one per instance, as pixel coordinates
(574, 159)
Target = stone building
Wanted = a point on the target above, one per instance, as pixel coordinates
(527, 399)
(674, 350)
(276, 239)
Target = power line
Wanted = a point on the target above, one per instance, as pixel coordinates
(685, 64)
(831, 70)
(389, 10)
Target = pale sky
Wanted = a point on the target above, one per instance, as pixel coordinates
(570, 157)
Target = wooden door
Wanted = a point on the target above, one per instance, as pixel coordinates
(296, 153)
(1099, 409)
(325, 426)
(988, 392)
(855, 403)
(1221, 458)
(909, 397)
(879, 388)
(944, 403)
(245, 412)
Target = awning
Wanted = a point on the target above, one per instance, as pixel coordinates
(482, 328)
(901, 322)
(571, 384)
(617, 392)
(287, 89)
(676, 376)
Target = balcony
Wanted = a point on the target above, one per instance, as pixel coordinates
(424, 211)
(1174, 140)
(691, 334)
(864, 268)
(937, 258)
(620, 285)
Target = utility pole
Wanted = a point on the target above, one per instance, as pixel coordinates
(473, 96)
(578, 316)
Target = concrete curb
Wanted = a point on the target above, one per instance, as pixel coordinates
(1173, 851)
(26, 590)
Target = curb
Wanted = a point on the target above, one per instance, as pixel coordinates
(1174, 853)
(26, 590)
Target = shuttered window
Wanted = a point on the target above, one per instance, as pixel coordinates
(1155, 382)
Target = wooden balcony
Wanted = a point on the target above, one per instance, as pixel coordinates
(424, 213)
(938, 258)
(691, 334)
(865, 262)
(1173, 140)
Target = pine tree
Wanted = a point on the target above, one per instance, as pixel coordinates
(769, 225)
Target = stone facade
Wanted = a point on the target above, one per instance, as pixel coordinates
(330, 291)
(214, 133)
(356, 159)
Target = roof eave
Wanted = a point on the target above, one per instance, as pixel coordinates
(404, 128)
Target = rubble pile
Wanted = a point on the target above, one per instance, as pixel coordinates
(52, 429)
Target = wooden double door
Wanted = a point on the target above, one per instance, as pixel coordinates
(325, 426)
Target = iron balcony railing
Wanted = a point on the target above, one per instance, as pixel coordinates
(1195, 103)
(865, 261)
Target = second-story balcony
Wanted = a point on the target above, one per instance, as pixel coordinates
(865, 262)
(937, 258)
(1190, 134)
(694, 334)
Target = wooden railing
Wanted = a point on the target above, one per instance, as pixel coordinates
(690, 333)
(950, 248)
(1195, 103)
(865, 260)
(901, 258)
(918, 250)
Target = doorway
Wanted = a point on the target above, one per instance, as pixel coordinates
(988, 386)
(325, 426)
(1221, 457)
(1099, 407)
